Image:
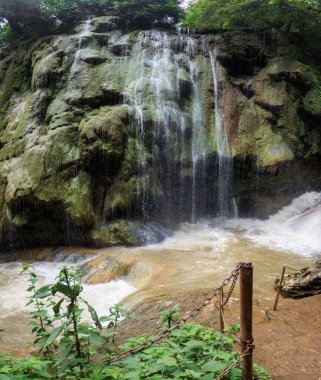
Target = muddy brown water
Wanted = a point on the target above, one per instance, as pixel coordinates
(197, 256)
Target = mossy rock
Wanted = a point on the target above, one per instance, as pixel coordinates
(120, 232)
(312, 100)
(93, 57)
(104, 24)
(78, 200)
(47, 70)
(103, 139)
(128, 232)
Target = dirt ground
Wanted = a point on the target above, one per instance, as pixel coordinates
(288, 341)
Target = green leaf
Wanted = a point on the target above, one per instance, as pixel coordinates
(96, 339)
(63, 289)
(76, 289)
(224, 355)
(94, 315)
(169, 361)
(53, 335)
(133, 375)
(39, 313)
(43, 292)
(64, 354)
(236, 373)
(214, 367)
(56, 308)
(4, 377)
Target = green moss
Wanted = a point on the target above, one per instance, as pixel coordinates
(15, 126)
(78, 200)
(119, 232)
(103, 136)
(312, 100)
(22, 119)
(46, 70)
(15, 77)
(273, 154)
(19, 220)
(121, 195)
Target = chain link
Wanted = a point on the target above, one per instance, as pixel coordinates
(228, 296)
(165, 333)
(248, 350)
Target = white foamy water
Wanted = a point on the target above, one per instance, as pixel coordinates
(197, 256)
(13, 285)
(295, 228)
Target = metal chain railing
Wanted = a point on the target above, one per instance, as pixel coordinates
(248, 350)
(229, 293)
(165, 333)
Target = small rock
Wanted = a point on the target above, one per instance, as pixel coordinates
(304, 283)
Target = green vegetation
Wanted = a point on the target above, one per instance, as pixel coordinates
(34, 18)
(71, 348)
(287, 15)
(299, 18)
(145, 13)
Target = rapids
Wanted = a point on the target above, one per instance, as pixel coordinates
(196, 256)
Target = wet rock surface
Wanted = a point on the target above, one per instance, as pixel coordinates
(100, 126)
(304, 283)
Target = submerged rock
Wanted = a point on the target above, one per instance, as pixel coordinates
(304, 283)
(135, 233)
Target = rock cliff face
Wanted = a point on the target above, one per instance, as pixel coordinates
(104, 133)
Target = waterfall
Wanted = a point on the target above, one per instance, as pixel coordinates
(199, 145)
(84, 33)
(226, 205)
(162, 87)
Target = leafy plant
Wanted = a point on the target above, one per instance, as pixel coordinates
(41, 321)
(169, 317)
(58, 323)
(30, 368)
(116, 314)
(191, 352)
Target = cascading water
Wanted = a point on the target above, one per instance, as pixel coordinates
(163, 89)
(76, 66)
(85, 32)
(199, 144)
(226, 205)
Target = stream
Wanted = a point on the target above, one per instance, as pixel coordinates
(196, 256)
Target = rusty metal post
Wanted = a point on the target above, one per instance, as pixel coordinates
(278, 290)
(246, 333)
(221, 311)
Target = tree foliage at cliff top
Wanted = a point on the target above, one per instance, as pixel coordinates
(141, 13)
(33, 18)
(295, 16)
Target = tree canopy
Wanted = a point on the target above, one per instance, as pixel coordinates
(300, 19)
(287, 15)
(33, 18)
(148, 12)
(38, 17)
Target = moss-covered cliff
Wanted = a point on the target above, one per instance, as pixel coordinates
(82, 160)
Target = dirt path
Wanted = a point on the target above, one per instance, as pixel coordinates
(289, 344)
(288, 341)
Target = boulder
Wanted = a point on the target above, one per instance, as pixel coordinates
(303, 283)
